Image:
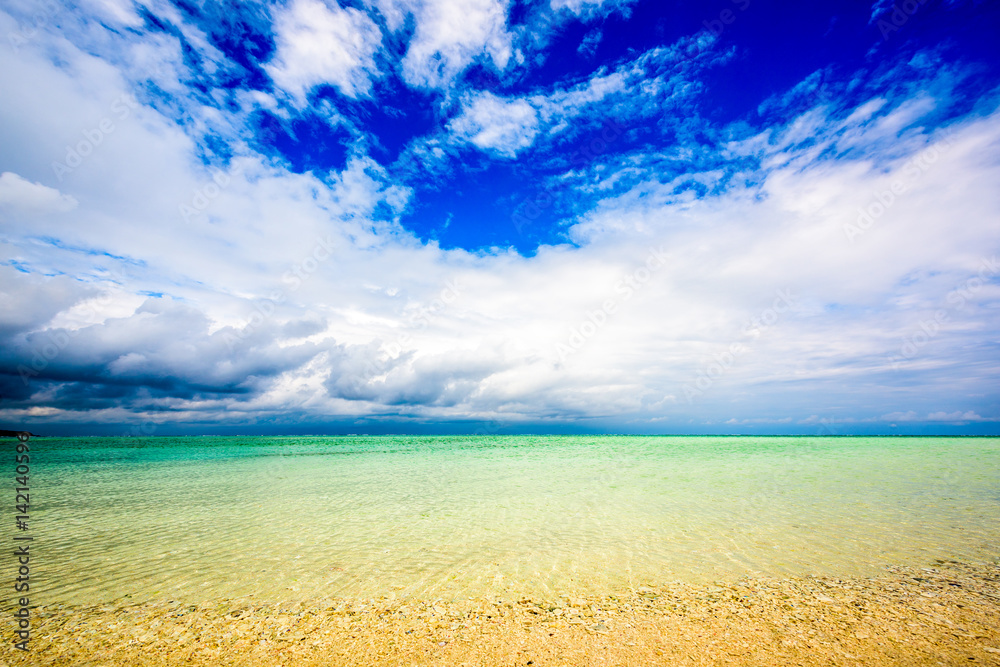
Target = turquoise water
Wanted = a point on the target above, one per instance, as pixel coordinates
(444, 517)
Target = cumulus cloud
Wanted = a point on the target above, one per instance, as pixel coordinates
(493, 124)
(323, 43)
(29, 301)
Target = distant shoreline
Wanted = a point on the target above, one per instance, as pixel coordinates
(520, 435)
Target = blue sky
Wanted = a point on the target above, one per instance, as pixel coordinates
(436, 216)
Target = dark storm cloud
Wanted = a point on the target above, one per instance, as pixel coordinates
(163, 350)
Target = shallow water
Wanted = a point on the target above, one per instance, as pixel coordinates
(196, 519)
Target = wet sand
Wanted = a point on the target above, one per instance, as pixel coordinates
(948, 614)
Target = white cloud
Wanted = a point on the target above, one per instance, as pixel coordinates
(29, 302)
(119, 11)
(321, 43)
(956, 417)
(449, 35)
(908, 416)
(880, 7)
(585, 7)
(496, 125)
(20, 195)
(563, 105)
(639, 88)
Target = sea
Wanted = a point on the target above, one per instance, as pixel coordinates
(130, 520)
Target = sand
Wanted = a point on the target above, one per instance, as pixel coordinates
(948, 614)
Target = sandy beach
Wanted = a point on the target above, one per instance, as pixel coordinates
(941, 615)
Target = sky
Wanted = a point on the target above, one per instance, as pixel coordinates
(498, 216)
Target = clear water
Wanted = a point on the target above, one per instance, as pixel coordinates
(197, 519)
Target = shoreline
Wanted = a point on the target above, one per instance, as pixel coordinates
(946, 614)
